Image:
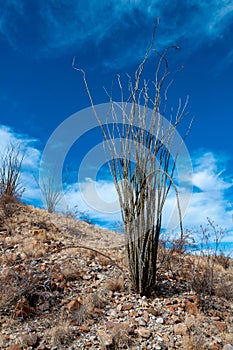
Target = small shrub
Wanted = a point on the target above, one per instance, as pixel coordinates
(60, 334)
(115, 285)
(121, 337)
(204, 275)
(11, 163)
(223, 260)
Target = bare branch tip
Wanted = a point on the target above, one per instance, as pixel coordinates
(73, 61)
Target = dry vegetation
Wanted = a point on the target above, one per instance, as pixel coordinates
(56, 293)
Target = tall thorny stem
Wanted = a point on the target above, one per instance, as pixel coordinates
(141, 164)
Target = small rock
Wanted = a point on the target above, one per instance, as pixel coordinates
(113, 313)
(227, 347)
(86, 277)
(84, 329)
(127, 307)
(180, 329)
(144, 333)
(119, 307)
(146, 317)
(106, 339)
(133, 314)
(166, 338)
(176, 319)
(141, 321)
(14, 347)
(159, 320)
(73, 305)
(221, 326)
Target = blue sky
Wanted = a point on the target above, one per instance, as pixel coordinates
(39, 89)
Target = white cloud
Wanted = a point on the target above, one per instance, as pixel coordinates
(207, 175)
(212, 195)
(96, 198)
(208, 200)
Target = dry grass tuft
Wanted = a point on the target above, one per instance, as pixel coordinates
(115, 284)
(60, 334)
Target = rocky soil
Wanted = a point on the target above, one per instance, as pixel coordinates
(64, 285)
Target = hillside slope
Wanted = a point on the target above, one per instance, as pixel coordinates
(64, 285)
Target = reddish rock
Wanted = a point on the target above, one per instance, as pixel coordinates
(215, 346)
(176, 319)
(14, 347)
(221, 326)
(22, 309)
(73, 305)
(84, 329)
(146, 317)
(134, 314)
(88, 344)
(127, 307)
(191, 305)
(97, 311)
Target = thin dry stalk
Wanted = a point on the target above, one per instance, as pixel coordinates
(11, 189)
(141, 164)
(51, 191)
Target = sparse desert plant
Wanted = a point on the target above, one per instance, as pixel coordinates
(94, 300)
(11, 189)
(33, 248)
(223, 260)
(142, 166)
(51, 190)
(121, 337)
(70, 272)
(11, 163)
(195, 338)
(9, 288)
(115, 285)
(172, 252)
(60, 334)
(206, 275)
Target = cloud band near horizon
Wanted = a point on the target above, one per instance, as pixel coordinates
(212, 195)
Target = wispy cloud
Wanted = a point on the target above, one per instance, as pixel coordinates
(210, 199)
(120, 27)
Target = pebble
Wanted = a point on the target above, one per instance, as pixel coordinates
(160, 320)
(143, 332)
